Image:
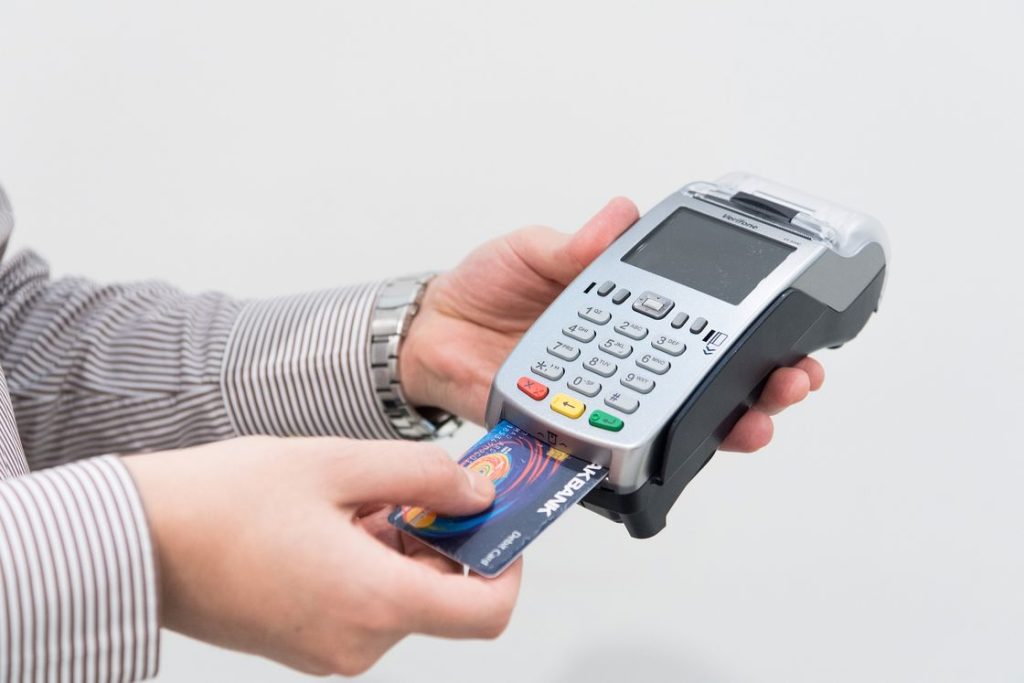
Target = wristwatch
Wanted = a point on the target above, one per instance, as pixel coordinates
(397, 304)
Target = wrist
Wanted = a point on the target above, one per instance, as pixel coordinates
(403, 379)
(413, 370)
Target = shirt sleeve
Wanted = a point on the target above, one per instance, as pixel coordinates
(124, 368)
(77, 576)
(300, 365)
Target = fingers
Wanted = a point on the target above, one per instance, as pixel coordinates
(814, 371)
(600, 231)
(753, 432)
(457, 606)
(419, 551)
(788, 386)
(785, 387)
(411, 474)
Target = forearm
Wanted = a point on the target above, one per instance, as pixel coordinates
(78, 592)
(97, 369)
(299, 366)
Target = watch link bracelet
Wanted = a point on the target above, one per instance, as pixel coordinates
(397, 304)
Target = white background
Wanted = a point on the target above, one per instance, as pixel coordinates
(267, 148)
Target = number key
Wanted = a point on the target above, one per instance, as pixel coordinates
(672, 347)
(595, 315)
(631, 330)
(579, 332)
(637, 382)
(655, 364)
(564, 351)
(587, 387)
(600, 366)
(616, 348)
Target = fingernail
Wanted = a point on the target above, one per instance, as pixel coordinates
(481, 485)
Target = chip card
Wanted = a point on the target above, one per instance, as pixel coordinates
(534, 485)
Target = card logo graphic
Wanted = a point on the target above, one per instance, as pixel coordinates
(494, 466)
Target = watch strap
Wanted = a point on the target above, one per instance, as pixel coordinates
(397, 304)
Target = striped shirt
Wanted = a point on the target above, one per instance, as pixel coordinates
(88, 370)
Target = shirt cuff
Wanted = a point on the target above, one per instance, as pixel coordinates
(300, 366)
(78, 593)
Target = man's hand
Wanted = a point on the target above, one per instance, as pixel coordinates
(280, 547)
(473, 316)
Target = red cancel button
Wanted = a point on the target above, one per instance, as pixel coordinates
(532, 388)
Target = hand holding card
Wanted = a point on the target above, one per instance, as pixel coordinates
(535, 484)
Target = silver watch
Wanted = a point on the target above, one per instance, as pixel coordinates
(397, 303)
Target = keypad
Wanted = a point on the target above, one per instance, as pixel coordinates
(624, 395)
(637, 382)
(585, 386)
(672, 347)
(602, 367)
(579, 332)
(563, 350)
(616, 348)
(595, 315)
(621, 402)
(548, 370)
(655, 364)
(631, 330)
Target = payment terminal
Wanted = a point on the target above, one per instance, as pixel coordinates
(647, 359)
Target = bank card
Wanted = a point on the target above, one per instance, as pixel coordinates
(535, 484)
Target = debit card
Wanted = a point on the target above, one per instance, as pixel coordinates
(534, 483)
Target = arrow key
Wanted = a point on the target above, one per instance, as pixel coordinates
(568, 406)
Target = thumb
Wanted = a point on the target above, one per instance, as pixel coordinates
(601, 230)
(405, 473)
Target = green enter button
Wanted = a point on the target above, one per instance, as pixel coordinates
(603, 420)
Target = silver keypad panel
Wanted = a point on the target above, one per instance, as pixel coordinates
(647, 355)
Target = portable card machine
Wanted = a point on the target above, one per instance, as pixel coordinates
(648, 358)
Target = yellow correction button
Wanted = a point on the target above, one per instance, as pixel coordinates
(567, 405)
